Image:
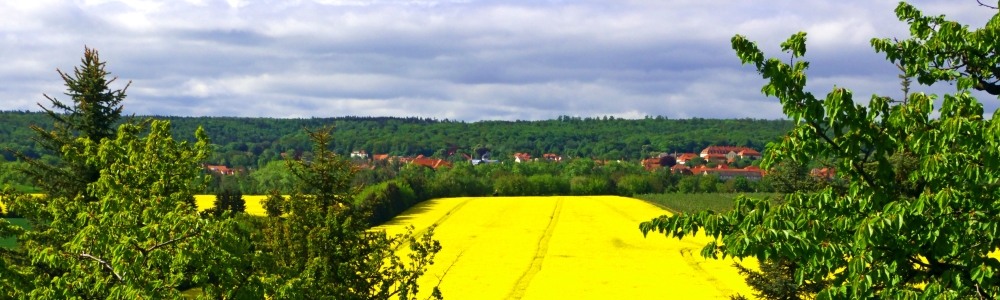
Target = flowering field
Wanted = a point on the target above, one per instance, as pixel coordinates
(562, 248)
(254, 207)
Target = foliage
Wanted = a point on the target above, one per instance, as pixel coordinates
(274, 176)
(925, 234)
(386, 200)
(708, 184)
(254, 143)
(688, 185)
(228, 200)
(140, 240)
(322, 247)
(92, 115)
(630, 185)
(273, 204)
(548, 185)
(776, 281)
(511, 185)
(590, 185)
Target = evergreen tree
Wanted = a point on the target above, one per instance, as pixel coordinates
(323, 249)
(94, 111)
(88, 120)
(228, 199)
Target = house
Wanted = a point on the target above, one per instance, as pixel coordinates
(750, 153)
(220, 169)
(380, 156)
(522, 157)
(651, 164)
(724, 173)
(717, 158)
(684, 157)
(826, 173)
(485, 159)
(359, 154)
(551, 157)
(681, 169)
(430, 162)
(730, 152)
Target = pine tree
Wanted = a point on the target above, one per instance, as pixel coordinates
(229, 200)
(323, 249)
(93, 113)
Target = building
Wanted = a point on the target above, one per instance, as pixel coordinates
(725, 173)
(380, 156)
(220, 169)
(522, 157)
(730, 152)
(825, 173)
(430, 162)
(551, 157)
(684, 157)
(359, 154)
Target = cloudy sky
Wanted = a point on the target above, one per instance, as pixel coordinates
(468, 60)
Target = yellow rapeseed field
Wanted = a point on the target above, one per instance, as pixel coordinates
(253, 203)
(562, 248)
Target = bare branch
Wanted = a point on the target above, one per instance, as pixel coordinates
(981, 4)
(103, 263)
(170, 242)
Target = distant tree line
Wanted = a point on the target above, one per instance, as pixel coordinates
(254, 142)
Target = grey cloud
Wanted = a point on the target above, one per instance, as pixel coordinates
(468, 60)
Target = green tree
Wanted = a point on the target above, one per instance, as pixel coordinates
(140, 240)
(92, 115)
(274, 176)
(228, 200)
(273, 204)
(708, 183)
(322, 247)
(741, 184)
(880, 237)
(688, 184)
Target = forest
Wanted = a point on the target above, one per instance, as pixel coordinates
(252, 142)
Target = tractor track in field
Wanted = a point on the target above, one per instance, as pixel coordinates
(536, 263)
(440, 220)
(688, 254)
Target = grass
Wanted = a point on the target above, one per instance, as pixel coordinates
(11, 242)
(690, 203)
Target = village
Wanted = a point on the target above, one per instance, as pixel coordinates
(721, 161)
(713, 160)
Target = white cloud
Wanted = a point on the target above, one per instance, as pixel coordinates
(467, 60)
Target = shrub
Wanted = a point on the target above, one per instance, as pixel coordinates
(548, 185)
(511, 185)
(386, 200)
(630, 185)
(590, 185)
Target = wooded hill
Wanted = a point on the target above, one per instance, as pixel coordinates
(255, 141)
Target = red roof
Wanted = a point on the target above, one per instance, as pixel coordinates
(725, 150)
(220, 169)
(380, 156)
(430, 162)
(716, 156)
(686, 156)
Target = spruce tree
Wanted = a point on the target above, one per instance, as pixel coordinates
(92, 115)
(323, 248)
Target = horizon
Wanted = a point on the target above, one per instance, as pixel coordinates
(458, 60)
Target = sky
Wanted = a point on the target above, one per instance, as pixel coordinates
(460, 60)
